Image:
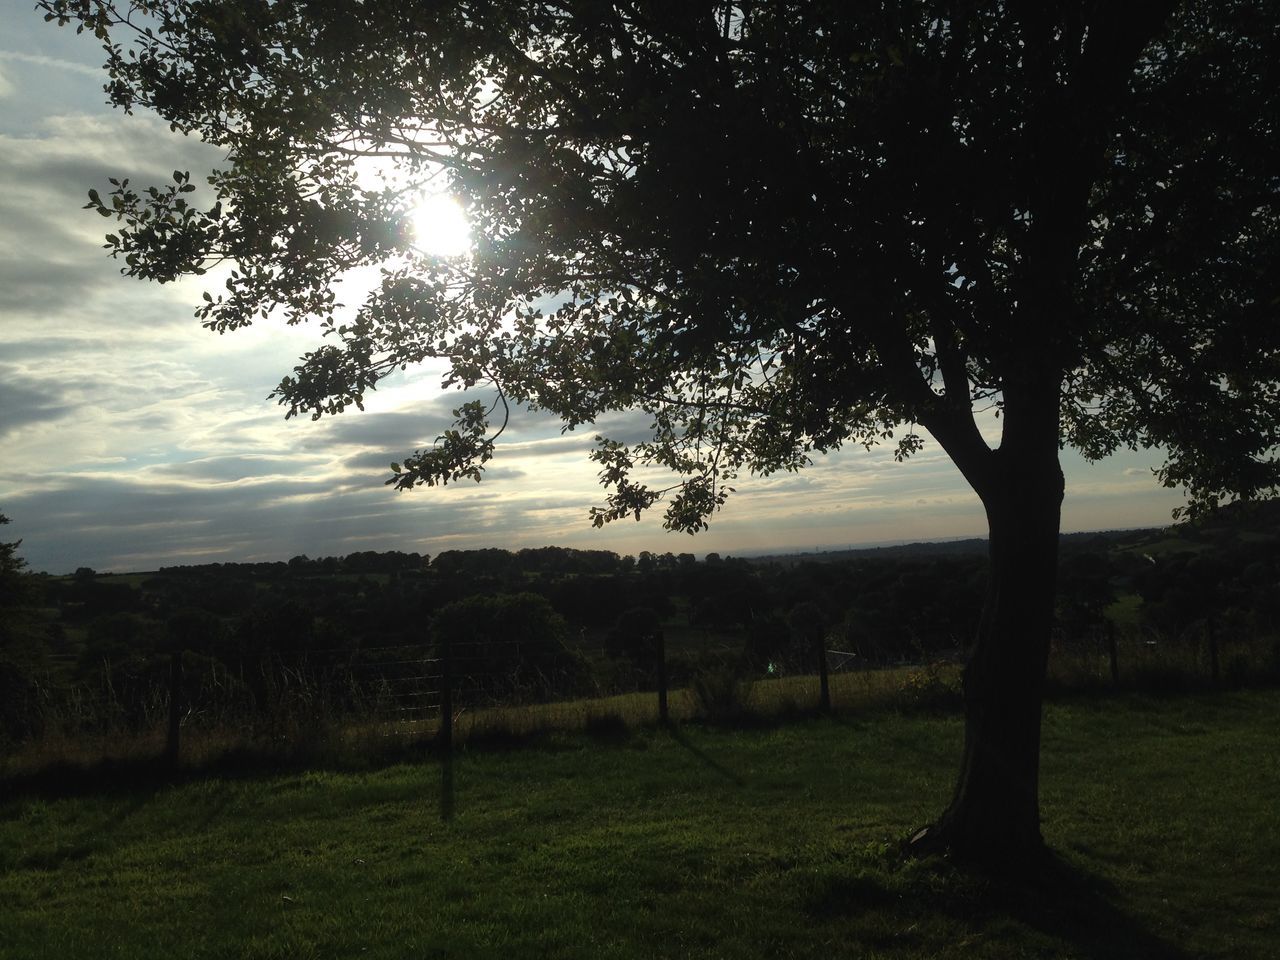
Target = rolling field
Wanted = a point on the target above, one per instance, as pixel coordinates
(774, 840)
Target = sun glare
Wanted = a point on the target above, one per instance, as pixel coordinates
(439, 226)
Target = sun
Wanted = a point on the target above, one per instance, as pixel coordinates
(439, 226)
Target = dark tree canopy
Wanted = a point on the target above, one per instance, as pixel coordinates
(776, 228)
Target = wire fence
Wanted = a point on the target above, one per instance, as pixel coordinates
(396, 689)
(419, 689)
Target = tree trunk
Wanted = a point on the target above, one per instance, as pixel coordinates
(994, 814)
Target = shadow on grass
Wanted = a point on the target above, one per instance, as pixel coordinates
(1074, 910)
(705, 758)
(448, 794)
(109, 776)
(1081, 909)
(89, 841)
(149, 772)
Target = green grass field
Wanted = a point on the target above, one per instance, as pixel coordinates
(773, 841)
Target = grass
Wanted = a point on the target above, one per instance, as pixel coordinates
(59, 754)
(1126, 611)
(778, 840)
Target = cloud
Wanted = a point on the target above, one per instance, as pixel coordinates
(76, 151)
(126, 523)
(24, 402)
(236, 468)
(41, 60)
(369, 463)
(391, 431)
(44, 288)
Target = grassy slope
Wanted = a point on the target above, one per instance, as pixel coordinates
(716, 843)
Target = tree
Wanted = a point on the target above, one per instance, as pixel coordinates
(13, 579)
(636, 634)
(23, 645)
(508, 645)
(774, 226)
(19, 626)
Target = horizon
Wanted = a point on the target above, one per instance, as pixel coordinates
(782, 551)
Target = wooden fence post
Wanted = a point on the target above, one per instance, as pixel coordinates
(663, 716)
(446, 728)
(172, 745)
(1114, 654)
(446, 696)
(824, 687)
(1213, 652)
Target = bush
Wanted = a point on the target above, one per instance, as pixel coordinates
(509, 647)
(929, 687)
(636, 636)
(719, 691)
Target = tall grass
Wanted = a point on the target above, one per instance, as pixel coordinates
(298, 717)
(304, 725)
(1152, 661)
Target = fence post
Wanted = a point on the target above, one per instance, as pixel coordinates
(824, 687)
(1114, 654)
(446, 695)
(446, 727)
(1213, 651)
(172, 745)
(663, 716)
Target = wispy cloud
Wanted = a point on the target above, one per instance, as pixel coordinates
(41, 60)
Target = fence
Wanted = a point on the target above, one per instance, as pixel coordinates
(396, 690)
(417, 691)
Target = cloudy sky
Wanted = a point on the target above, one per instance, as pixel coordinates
(133, 438)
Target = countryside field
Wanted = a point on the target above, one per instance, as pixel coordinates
(777, 839)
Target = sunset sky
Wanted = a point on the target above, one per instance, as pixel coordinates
(133, 438)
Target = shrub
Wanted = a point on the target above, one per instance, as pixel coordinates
(719, 690)
(930, 687)
(509, 647)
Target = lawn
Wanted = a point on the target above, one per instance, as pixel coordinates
(776, 840)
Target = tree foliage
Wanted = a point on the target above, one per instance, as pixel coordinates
(774, 227)
(13, 578)
(509, 645)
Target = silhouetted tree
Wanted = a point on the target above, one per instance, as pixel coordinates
(1084, 593)
(22, 647)
(637, 636)
(768, 646)
(14, 584)
(512, 644)
(775, 228)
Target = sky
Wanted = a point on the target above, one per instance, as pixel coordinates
(132, 438)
